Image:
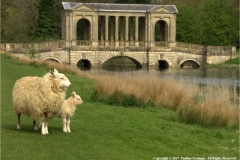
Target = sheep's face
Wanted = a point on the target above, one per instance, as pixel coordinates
(77, 99)
(64, 82)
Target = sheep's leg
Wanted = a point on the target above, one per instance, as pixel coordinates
(68, 124)
(46, 127)
(43, 127)
(64, 124)
(35, 125)
(18, 121)
(45, 124)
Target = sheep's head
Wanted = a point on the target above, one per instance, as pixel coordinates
(64, 83)
(77, 99)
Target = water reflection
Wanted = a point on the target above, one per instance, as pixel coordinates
(202, 76)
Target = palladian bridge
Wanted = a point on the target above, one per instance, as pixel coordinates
(93, 33)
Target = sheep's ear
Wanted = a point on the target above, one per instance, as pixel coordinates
(51, 72)
(73, 94)
(54, 72)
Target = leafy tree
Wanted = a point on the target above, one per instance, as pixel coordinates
(219, 27)
(46, 24)
(187, 25)
(18, 20)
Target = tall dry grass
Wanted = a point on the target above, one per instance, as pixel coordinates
(145, 89)
(207, 105)
(49, 65)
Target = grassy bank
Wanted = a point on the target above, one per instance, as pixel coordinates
(229, 64)
(101, 131)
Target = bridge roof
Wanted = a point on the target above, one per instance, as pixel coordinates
(119, 7)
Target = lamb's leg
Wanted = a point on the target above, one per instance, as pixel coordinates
(64, 124)
(68, 124)
(18, 120)
(35, 125)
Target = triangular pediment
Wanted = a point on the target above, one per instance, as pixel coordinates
(161, 10)
(83, 7)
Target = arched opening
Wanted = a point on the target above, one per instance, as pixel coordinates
(83, 30)
(162, 64)
(84, 64)
(161, 31)
(122, 63)
(189, 64)
(52, 60)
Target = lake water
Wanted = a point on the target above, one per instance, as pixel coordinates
(201, 76)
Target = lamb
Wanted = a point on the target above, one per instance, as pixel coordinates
(68, 109)
(40, 98)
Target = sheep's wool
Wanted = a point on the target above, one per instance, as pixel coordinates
(35, 96)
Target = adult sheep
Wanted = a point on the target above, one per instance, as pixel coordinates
(68, 109)
(40, 98)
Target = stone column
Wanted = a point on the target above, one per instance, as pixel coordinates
(94, 31)
(136, 32)
(116, 32)
(146, 30)
(72, 39)
(126, 32)
(150, 31)
(172, 30)
(106, 31)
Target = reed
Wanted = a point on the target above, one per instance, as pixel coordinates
(206, 105)
(48, 65)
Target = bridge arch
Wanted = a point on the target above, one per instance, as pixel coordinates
(163, 62)
(84, 64)
(53, 59)
(138, 60)
(189, 63)
(83, 60)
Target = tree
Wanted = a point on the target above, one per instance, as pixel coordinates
(18, 20)
(46, 28)
(219, 27)
(187, 25)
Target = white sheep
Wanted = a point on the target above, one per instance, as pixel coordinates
(68, 109)
(40, 97)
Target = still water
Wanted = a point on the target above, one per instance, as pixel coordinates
(201, 76)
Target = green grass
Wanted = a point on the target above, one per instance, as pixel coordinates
(229, 64)
(233, 61)
(101, 132)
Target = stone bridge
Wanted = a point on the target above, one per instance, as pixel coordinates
(93, 33)
(184, 55)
